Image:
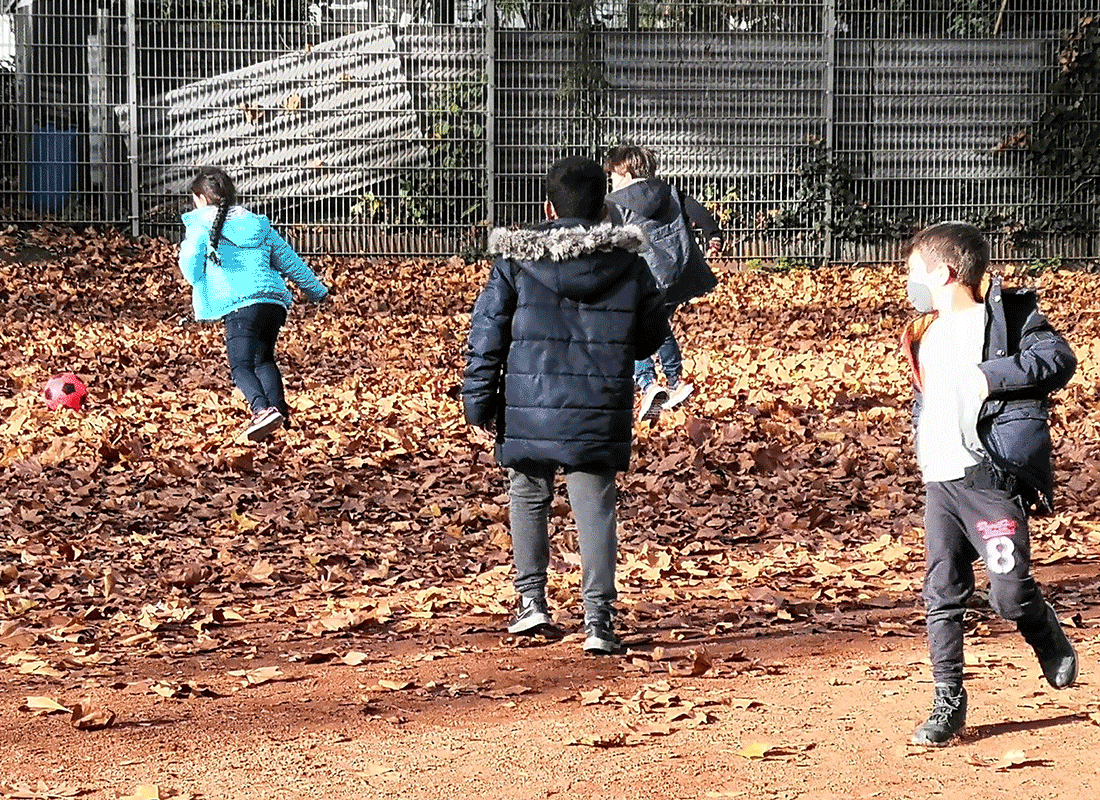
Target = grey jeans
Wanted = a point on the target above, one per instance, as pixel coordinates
(961, 524)
(592, 498)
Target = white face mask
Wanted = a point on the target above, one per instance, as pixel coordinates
(917, 286)
(919, 295)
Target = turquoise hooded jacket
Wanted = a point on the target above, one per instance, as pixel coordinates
(255, 263)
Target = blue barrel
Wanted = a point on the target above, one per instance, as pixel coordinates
(53, 163)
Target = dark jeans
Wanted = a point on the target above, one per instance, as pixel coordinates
(962, 523)
(250, 335)
(645, 371)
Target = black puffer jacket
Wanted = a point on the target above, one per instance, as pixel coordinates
(1025, 360)
(553, 338)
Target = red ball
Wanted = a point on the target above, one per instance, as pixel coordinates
(65, 390)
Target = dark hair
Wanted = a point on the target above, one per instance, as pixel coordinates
(218, 189)
(638, 161)
(576, 186)
(957, 245)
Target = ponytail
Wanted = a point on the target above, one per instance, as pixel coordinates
(216, 233)
(218, 189)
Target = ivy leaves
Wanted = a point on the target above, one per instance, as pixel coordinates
(1065, 141)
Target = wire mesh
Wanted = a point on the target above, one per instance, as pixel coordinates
(818, 130)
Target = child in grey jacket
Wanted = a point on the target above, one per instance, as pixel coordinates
(666, 215)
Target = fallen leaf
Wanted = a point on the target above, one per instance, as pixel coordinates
(1015, 759)
(41, 791)
(510, 691)
(608, 741)
(394, 686)
(43, 705)
(40, 668)
(651, 729)
(260, 675)
(699, 663)
(592, 697)
(88, 717)
(145, 791)
(756, 750)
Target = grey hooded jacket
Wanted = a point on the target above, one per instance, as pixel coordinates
(664, 213)
(568, 307)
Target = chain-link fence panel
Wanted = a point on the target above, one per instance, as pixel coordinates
(813, 131)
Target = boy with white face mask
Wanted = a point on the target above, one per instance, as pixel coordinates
(983, 367)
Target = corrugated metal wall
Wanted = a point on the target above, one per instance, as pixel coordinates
(817, 130)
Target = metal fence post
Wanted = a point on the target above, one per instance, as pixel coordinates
(490, 112)
(829, 110)
(97, 106)
(132, 104)
(24, 31)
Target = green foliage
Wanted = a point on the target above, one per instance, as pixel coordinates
(722, 205)
(1041, 265)
(226, 9)
(824, 199)
(1065, 140)
(791, 264)
(973, 18)
(584, 84)
(370, 207)
(451, 188)
(725, 15)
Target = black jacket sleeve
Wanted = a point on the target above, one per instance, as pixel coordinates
(701, 218)
(1044, 363)
(487, 346)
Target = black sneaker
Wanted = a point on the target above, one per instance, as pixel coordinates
(532, 615)
(599, 635)
(947, 719)
(1056, 655)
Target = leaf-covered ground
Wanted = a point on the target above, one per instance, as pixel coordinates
(156, 569)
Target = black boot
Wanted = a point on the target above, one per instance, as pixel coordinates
(1056, 654)
(947, 719)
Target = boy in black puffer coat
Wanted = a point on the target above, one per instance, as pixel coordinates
(568, 308)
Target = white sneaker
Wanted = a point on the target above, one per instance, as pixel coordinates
(678, 395)
(653, 399)
(263, 424)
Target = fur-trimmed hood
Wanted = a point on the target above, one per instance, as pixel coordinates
(563, 241)
(569, 257)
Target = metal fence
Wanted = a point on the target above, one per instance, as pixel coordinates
(821, 130)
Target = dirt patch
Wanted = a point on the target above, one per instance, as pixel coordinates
(456, 709)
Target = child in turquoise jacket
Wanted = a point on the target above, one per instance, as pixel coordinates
(237, 266)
